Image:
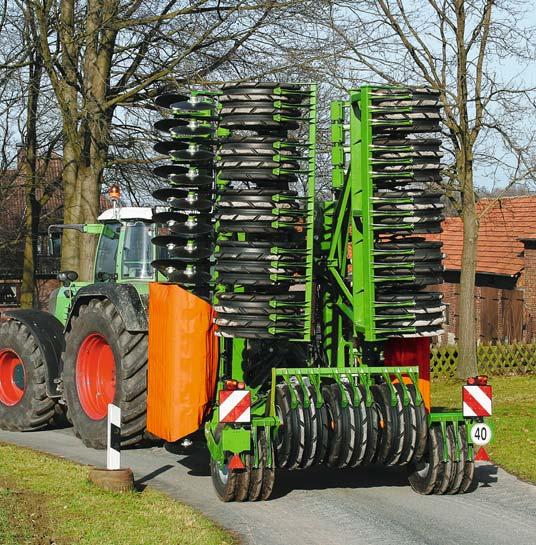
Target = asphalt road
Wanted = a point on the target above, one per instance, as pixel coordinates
(324, 507)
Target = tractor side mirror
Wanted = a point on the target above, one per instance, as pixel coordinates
(106, 277)
(66, 277)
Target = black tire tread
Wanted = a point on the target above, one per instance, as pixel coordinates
(131, 370)
(36, 410)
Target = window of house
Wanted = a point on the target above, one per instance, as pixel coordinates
(8, 294)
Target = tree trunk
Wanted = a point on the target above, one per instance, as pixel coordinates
(70, 239)
(90, 180)
(31, 223)
(467, 361)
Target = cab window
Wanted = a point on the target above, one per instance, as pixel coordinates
(137, 251)
(107, 252)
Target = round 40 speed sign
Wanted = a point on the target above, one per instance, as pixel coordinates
(481, 434)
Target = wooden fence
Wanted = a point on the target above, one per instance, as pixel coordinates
(498, 359)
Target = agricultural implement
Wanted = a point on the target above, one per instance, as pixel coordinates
(294, 331)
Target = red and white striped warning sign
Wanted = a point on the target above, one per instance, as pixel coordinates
(477, 401)
(235, 406)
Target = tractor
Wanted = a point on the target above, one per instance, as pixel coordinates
(293, 331)
(90, 349)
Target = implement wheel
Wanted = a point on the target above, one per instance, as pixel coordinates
(24, 404)
(427, 474)
(104, 363)
(224, 480)
(469, 465)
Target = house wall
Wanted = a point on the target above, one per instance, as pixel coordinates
(43, 289)
(502, 314)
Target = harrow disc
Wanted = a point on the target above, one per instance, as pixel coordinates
(167, 99)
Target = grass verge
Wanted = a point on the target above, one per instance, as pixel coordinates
(514, 417)
(49, 501)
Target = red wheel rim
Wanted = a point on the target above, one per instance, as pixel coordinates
(12, 378)
(95, 376)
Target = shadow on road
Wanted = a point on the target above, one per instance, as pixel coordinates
(141, 483)
(196, 458)
(486, 475)
(324, 478)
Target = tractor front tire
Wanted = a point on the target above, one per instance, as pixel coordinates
(24, 404)
(104, 363)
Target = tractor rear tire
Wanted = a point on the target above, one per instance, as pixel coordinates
(24, 404)
(104, 363)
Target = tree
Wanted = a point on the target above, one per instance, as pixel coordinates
(107, 56)
(455, 47)
(23, 96)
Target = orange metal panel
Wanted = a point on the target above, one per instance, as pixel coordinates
(183, 361)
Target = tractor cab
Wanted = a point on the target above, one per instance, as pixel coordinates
(124, 255)
(124, 251)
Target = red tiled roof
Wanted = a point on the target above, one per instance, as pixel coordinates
(502, 223)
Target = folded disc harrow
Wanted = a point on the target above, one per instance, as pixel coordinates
(263, 257)
(185, 232)
(385, 168)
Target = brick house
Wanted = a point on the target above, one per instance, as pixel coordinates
(12, 231)
(506, 271)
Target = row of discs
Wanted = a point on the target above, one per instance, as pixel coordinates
(343, 430)
(185, 232)
(405, 165)
(260, 250)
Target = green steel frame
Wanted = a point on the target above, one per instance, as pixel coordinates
(345, 309)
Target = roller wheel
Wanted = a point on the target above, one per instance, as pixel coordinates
(256, 478)
(449, 466)
(373, 433)
(299, 432)
(469, 467)
(224, 480)
(104, 363)
(290, 435)
(425, 474)
(268, 479)
(331, 394)
(24, 404)
(421, 420)
(459, 465)
(410, 427)
(311, 427)
(361, 426)
(348, 425)
(398, 420)
(386, 434)
(243, 479)
(322, 432)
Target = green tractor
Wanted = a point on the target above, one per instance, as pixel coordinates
(295, 332)
(90, 349)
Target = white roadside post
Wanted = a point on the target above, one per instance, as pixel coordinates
(113, 454)
(114, 477)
